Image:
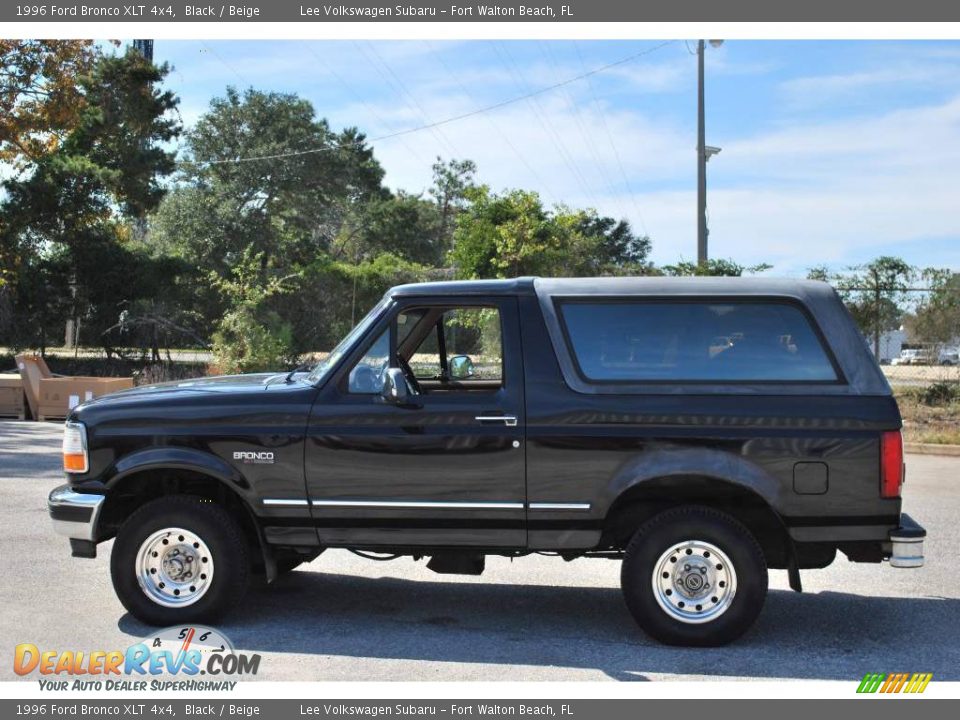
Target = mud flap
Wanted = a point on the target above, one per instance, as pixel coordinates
(457, 563)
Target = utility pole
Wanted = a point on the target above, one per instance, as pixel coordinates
(145, 48)
(701, 163)
(704, 152)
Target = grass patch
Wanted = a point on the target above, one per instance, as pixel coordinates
(931, 413)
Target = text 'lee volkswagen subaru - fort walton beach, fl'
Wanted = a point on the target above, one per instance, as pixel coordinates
(703, 430)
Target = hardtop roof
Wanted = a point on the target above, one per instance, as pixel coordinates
(623, 286)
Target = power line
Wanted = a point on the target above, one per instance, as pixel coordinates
(588, 138)
(396, 84)
(543, 117)
(227, 65)
(596, 163)
(445, 121)
(613, 146)
(353, 92)
(493, 123)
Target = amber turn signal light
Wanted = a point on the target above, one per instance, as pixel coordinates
(75, 448)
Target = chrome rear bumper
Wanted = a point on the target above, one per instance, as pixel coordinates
(906, 544)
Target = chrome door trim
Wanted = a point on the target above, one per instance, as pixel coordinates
(425, 504)
(559, 506)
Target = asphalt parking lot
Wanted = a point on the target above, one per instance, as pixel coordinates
(537, 618)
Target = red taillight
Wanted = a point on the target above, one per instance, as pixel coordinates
(891, 464)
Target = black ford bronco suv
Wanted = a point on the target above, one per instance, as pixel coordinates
(703, 430)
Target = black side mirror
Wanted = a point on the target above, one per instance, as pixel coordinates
(396, 391)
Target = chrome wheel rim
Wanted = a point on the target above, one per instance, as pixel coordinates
(174, 567)
(694, 582)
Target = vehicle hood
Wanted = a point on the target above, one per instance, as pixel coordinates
(221, 384)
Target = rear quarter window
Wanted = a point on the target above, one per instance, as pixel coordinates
(694, 341)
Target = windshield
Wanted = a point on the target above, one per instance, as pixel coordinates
(323, 367)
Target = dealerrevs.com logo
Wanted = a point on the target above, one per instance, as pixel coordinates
(185, 651)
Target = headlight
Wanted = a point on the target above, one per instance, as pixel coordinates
(75, 448)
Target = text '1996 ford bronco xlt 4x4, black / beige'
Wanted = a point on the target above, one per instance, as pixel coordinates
(703, 430)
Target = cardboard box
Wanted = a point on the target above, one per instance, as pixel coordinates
(59, 395)
(32, 369)
(52, 397)
(11, 396)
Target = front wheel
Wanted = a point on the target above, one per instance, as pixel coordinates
(179, 559)
(694, 576)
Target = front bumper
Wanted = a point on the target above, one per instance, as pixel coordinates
(74, 514)
(906, 544)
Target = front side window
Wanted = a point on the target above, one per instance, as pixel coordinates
(463, 345)
(662, 341)
(441, 349)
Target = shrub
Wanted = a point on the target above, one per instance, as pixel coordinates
(250, 336)
(940, 393)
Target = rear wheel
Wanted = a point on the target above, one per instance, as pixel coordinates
(179, 559)
(694, 576)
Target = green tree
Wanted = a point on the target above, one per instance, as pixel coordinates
(251, 336)
(263, 172)
(332, 295)
(41, 98)
(512, 234)
(714, 267)
(875, 293)
(451, 182)
(938, 315)
(618, 247)
(75, 203)
(403, 225)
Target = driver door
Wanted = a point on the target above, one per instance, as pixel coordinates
(446, 468)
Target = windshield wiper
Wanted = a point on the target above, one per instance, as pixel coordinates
(302, 367)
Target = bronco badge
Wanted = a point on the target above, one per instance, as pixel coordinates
(254, 458)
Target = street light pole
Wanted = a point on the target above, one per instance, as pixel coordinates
(701, 163)
(704, 152)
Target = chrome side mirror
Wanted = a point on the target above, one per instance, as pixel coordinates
(461, 367)
(395, 391)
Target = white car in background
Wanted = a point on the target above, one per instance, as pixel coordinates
(914, 356)
(949, 356)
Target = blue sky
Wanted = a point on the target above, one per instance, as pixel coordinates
(833, 152)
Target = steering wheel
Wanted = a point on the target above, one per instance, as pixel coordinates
(411, 378)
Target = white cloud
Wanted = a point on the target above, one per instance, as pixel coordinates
(810, 191)
(821, 90)
(557, 144)
(829, 193)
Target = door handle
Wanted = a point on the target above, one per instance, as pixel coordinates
(508, 420)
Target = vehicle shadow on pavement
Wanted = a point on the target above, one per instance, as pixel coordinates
(824, 636)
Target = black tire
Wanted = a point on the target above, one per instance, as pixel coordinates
(226, 544)
(670, 528)
(288, 564)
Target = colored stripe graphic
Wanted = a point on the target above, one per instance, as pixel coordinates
(894, 683)
(919, 682)
(871, 682)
